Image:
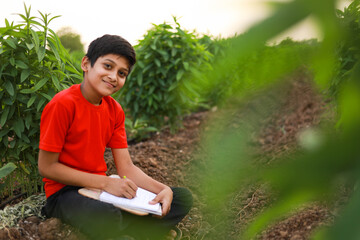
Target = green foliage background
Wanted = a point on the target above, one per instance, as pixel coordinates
(165, 56)
(310, 174)
(33, 67)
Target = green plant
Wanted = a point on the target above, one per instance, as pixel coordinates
(165, 56)
(70, 39)
(138, 130)
(250, 71)
(348, 49)
(309, 175)
(33, 67)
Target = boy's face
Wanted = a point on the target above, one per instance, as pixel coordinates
(105, 77)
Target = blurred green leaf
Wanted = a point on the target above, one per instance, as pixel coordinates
(40, 53)
(10, 42)
(9, 87)
(24, 75)
(4, 115)
(7, 169)
(21, 64)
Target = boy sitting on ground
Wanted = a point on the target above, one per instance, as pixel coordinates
(76, 127)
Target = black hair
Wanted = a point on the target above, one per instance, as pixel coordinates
(111, 44)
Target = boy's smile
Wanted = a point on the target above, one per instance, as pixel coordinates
(105, 77)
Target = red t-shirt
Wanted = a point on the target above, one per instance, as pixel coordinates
(80, 132)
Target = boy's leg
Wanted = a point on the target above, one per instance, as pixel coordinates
(97, 220)
(156, 227)
(180, 206)
(100, 220)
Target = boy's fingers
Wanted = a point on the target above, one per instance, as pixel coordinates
(155, 200)
(130, 195)
(133, 186)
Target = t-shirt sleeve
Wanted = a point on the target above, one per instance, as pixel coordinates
(54, 124)
(118, 139)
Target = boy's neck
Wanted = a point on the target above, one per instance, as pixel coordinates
(95, 100)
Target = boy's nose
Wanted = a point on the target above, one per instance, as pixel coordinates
(112, 76)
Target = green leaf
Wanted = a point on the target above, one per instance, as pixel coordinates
(164, 54)
(18, 127)
(35, 39)
(30, 158)
(7, 169)
(24, 75)
(48, 97)
(179, 74)
(21, 64)
(173, 52)
(169, 42)
(136, 107)
(9, 87)
(173, 86)
(41, 53)
(4, 132)
(150, 100)
(7, 24)
(4, 115)
(28, 121)
(29, 45)
(26, 91)
(10, 42)
(25, 139)
(141, 64)
(157, 62)
(22, 165)
(186, 66)
(148, 55)
(128, 96)
(12, 61)
(31, 101)
(54, 50)
(40, 104)
(40, 84)
(139, 79)
(56, 82)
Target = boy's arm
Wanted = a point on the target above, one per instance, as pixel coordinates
(125, 167)
(50, 167)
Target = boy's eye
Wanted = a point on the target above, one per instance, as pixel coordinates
(107, 66)
(122, 74)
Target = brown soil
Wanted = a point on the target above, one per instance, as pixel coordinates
(170, 159)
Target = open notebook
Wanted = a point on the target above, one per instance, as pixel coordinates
(139, 203)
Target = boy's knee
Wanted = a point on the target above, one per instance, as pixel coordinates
(183, 197)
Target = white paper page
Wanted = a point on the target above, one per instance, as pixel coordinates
(140, 202)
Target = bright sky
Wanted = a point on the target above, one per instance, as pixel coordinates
(132, 18)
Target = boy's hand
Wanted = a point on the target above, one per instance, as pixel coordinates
(121, 187)
(164, 197)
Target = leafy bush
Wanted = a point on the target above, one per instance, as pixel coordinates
(348, 49)
(33, 67)
(254, 67)
(165, 56)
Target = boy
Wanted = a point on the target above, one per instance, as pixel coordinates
(76, 127)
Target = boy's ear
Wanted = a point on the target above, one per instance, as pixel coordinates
(85, 64)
